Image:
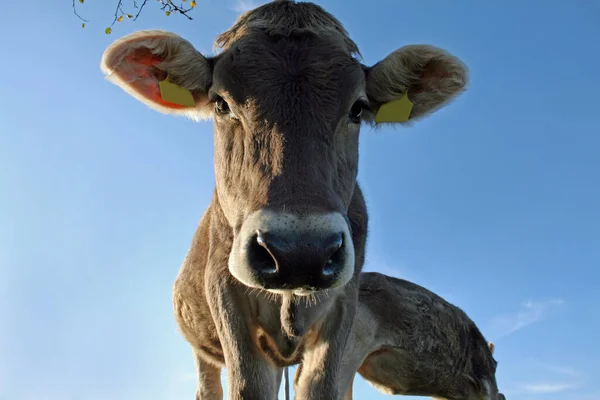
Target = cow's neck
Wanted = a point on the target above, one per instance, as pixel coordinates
(299, 314)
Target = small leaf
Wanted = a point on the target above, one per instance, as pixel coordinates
(120, 18)
(81, 1)
(129, 16)
(108, 30)
(167, 13)
(193, 4)
(83, 25)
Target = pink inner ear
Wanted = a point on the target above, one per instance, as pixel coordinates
(141, 74)
(433, 72)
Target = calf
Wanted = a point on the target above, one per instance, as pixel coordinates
(407, 340)
(271, 274)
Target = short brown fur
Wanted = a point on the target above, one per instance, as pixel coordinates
(406, 340)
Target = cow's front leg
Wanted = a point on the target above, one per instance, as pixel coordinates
(318, 374)
(250, 375)
(209, 379)
(348, 395)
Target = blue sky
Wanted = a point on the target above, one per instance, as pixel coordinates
(493, 202)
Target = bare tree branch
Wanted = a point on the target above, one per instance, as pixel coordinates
(168, 6)
(117, 11)
(171, 7)
(75, 12)
(140, 9)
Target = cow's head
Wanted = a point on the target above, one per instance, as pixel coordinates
(288, 97)
(483, 374)
(492, 393)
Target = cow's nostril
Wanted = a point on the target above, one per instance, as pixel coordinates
(260, 256)
(335, 254)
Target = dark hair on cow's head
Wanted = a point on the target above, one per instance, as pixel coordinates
(285, 17)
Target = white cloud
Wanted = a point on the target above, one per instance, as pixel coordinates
(188, 376)
(241, 6)
(546, 387)
(559, 369)
(547, 379)
(529, 313)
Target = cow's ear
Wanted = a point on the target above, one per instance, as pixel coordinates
(162, 70)
(412, 82)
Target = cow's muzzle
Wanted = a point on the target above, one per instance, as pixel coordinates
(283, 252)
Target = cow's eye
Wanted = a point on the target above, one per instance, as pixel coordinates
(356, 111)
(221, 106)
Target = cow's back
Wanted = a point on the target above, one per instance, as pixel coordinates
(425, 342)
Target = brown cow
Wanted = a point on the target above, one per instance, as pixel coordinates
(270, 276)
(407, 340)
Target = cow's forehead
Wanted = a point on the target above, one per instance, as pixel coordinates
(283, 17)
(304, 69)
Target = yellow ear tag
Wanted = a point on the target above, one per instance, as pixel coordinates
(395, 111)
(175, 94)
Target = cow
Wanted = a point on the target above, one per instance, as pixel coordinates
(270, 278)
(406, 340)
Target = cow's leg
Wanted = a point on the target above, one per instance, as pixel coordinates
(250, 376)
(209, 380)
(322, 360)
(360, 344)
(349, 392)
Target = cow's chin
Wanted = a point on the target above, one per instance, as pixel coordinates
(300, 292)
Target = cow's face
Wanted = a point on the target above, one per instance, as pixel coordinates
(287, 108)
